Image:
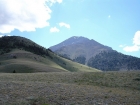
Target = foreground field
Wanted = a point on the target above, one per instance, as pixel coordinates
(65, 88)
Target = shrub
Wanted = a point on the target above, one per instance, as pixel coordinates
(14, 57)
(14, 71)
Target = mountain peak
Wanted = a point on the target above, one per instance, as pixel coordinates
(77, 37)
(69, 41)
(79, 46)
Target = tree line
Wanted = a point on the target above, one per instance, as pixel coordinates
(7, 43)
(114, 61)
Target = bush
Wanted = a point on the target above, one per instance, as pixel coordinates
(14, 57)
(14, 71)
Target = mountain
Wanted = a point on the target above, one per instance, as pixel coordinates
(112, 60)
(79, 49)
(21, 55)
(94, 54)
(70, 41)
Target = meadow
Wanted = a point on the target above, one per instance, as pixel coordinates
(70, 88)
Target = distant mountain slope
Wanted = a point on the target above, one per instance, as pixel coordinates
(94, 54)
(114, 61)
(77, 48)
(70, 65)
(70, 41)
(18, 54)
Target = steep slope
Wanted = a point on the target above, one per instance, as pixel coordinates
(70, 65)
(79, 49)
(70, 41)
(18, 54)
(110, 61)
(94, 54)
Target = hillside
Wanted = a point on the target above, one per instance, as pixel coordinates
(70, 65)
(110, 61)
(79, 49)
(7, 43)
(18, 54)
(22, 61)
(94, 54)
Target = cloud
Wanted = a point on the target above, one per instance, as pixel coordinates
(61, 24)
(131, 48)
(4, 35)
(51, 2)
(1, 36)
(64, 24)
(109, 16)
(136, 43)
(54, 1)
(24, 15)
(54, 29)
(136, 39)
(59, 1)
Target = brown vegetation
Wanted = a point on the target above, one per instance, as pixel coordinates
(65, 88)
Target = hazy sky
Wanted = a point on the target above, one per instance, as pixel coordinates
(115, 23)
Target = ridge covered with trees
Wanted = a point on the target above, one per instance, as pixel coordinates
(7, 43)
(114, 61)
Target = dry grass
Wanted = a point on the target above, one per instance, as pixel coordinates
(70, 65)
(65, 88)
(25, 62)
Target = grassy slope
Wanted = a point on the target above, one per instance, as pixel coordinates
(27, 62)
(102, 88)
(70, 65)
